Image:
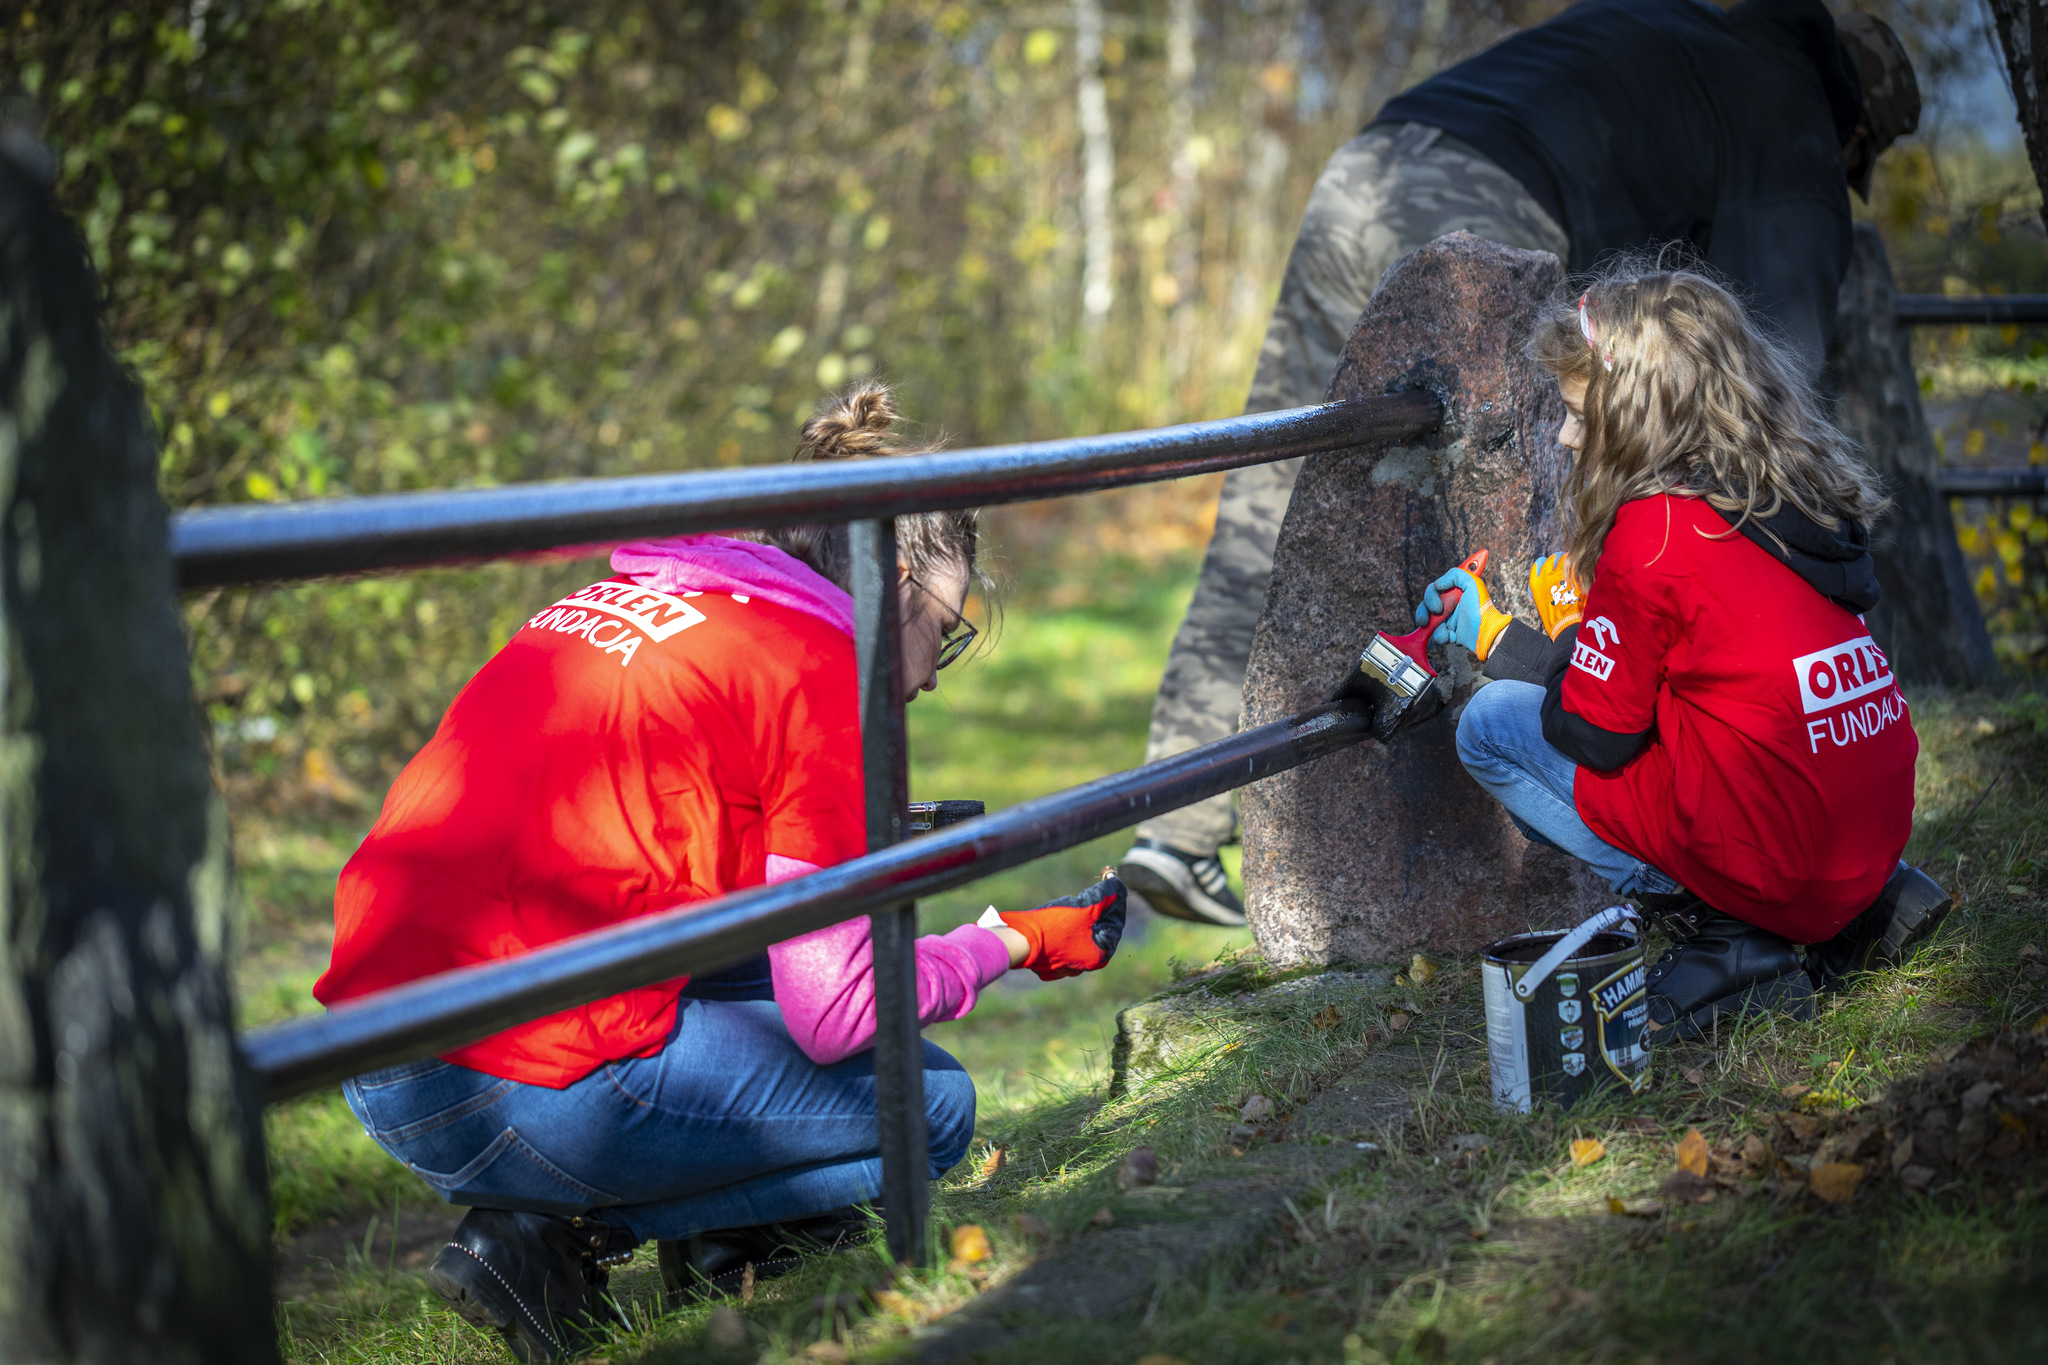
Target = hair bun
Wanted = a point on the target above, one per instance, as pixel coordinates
(851, 426)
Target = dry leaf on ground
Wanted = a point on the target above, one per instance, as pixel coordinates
(1327, 1018)
(970, 1244)
(892, 1301)
(1586, 1151)
(995, 1160)
(1399, 1020)
(824, 1350)
(1689, 1187)
(1140, 1166)
(1694, 1076)
(1257, 1109)
(1635, 1208)
(1692, 1152)
(1836, 1181)
(1421, 969)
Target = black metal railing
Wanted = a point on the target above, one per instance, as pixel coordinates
(222, 546)
(1972, 310)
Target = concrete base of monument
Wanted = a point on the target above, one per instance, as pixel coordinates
(1375, 852)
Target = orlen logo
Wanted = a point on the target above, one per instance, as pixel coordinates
(1841, 673)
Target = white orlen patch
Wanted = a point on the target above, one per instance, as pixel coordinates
(1841, 673)
(1584, 656)
(658, 614)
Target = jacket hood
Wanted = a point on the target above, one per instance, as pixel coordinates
(1835, 563)
(742, 568)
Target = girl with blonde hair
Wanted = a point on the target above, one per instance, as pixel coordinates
(1712, 727)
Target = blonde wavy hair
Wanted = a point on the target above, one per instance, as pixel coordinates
(1686, 394)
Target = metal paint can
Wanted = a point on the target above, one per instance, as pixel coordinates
(1565, 1012)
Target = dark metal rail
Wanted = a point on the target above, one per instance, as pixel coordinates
(440, 1012)
(1976, 310)
(216, 546)
(2022, 482)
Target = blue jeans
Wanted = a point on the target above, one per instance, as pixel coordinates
(1500, 742)
(727, 1126)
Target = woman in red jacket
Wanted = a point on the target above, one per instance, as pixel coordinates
(682, 729)
(1713, 728)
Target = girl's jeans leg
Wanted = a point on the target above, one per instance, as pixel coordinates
(729, 1125)
(1500, 741)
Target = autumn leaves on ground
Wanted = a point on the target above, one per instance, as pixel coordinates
(1864, 1186)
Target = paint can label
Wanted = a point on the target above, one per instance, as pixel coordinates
(1621, 1003)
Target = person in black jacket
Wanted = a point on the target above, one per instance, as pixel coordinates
(1618, 125)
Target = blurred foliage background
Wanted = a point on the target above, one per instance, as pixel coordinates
(353, 246)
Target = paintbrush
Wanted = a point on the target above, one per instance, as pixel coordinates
(1394, 677)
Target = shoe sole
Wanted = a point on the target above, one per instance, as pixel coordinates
(1907, 931)
(1791, 995)
(1169, 899)
(469, 1288)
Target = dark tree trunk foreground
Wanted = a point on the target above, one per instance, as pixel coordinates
(1929, 622)
(133, 1214)
(2023, 33)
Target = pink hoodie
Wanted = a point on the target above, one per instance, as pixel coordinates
(824, 981)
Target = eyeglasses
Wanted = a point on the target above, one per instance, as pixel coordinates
(954, 639)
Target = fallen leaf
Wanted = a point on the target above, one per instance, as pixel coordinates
(1802, 1126)
(1140, 1166)
(726, 1328)
(1836, 1181)
(824, 1350)
(1638, 1208)
(1689, 1187)
(1257, 1109)
(1398, 1020)
(1421, 969)
(995, 1160)
(1326, 1018)
(1917, 1177)
(1692, 1152)
(1756, 1153)
(1694, 1076)
(2029, 951)
(1795, 1090)
(747, 1283)
(2040, 1025)
(891, 1301)
(1031, 1225)
(970, 1244)
(1586, 1151)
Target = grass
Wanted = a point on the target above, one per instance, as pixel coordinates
(1417, 1253)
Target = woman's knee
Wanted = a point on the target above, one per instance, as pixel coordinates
(949, 1112)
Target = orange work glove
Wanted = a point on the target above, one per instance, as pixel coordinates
(1556, 590)
(1074, 934)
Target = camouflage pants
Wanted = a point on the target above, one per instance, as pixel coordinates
(1385, 193)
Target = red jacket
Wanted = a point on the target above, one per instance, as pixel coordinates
(1776, 780)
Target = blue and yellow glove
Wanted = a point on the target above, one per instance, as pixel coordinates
(1474, 621)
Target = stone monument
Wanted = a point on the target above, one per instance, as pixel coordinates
(1373, 852)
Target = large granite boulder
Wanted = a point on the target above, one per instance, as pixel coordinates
(1372, 852)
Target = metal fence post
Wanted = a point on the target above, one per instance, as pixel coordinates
(899, 1047)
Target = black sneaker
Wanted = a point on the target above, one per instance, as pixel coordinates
(714, 1264)
(1181, 885)
(1721, 968)
(1904, 915)
(537, 1280)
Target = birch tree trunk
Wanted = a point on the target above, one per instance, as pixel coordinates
(1098, 168)
(134, 1224)
(2023, 33)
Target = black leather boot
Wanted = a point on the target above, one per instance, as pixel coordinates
(537, 1280)
(1719, 967)
(1904, 915)
(712, 1264)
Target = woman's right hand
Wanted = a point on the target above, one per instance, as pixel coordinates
(1071, 935)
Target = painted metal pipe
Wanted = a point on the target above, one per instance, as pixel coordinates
(440, 1012)
(2017, 482)
(222, 546)
(1974, 310)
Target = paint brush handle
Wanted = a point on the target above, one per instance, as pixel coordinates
(1415, 644)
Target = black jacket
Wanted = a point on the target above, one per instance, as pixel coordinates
(1835, 564)
(1642, 122)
